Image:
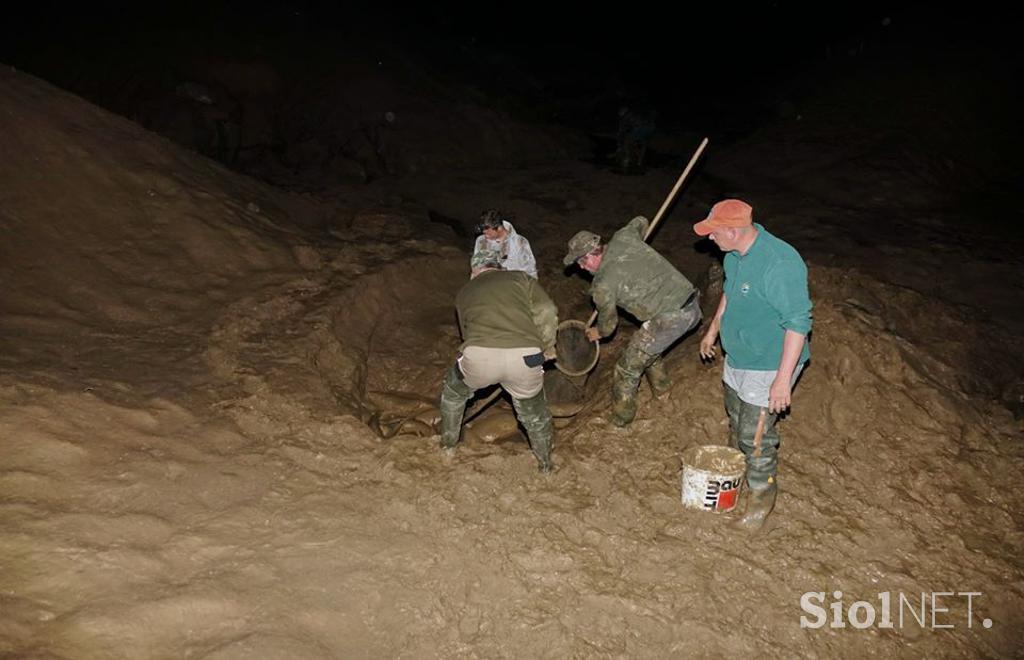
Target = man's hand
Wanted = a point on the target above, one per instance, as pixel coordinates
(707, 344)
(779, 395)
(593, 334)
(550, 354)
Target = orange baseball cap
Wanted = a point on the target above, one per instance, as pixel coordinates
(726, 213)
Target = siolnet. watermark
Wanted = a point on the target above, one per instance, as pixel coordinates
(933, 610)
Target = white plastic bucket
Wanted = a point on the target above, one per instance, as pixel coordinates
(712, 477)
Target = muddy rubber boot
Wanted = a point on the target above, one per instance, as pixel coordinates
(624, 388)
(733, 406)
(658, 378)
(762, 457)
(628, 370)
(535, 417)
(762, 461)
(759, 504)
(623, 409)
(454, 395)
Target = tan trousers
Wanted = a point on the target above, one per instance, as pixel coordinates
(486, 366)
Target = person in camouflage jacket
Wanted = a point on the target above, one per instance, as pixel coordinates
(630, 274)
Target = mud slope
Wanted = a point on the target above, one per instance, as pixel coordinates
(105, 222)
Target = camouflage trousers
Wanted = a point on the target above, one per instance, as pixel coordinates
(763, 461)
(532, 413)
(657, 334)
(643, 353)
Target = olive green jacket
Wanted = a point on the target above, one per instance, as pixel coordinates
(506, 309)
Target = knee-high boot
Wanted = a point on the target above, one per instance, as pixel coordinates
(454, 395)
(762, 457)
(628, 370)
(535, 417)
(657, 377)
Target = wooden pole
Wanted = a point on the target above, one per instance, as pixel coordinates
(668, 201)
(759, 432)
(675, 189)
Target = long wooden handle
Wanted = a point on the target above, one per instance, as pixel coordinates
(759, 433)
(667, 202)
(675, 188)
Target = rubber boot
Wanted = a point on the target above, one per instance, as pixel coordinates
(762, 462)
(535, 417)
(733, 406)
(759, 504)
(454, 395)
(628, 370)
(658, 378)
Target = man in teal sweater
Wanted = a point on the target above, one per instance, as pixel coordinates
(764, 318)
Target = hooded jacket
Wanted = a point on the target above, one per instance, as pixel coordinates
(514, 250)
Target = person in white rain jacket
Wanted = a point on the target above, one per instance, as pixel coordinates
(498, 234)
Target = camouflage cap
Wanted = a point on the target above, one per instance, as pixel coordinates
(485, 259)
(580, 244)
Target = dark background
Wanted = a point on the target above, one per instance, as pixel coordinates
(942, 83)
(691, 58)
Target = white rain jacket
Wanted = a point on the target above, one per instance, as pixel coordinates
(515, 251)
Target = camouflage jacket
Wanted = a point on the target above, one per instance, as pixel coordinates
(636, 278)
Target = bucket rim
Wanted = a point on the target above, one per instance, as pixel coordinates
(689, 469)
(569, 323)
(736, 453)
